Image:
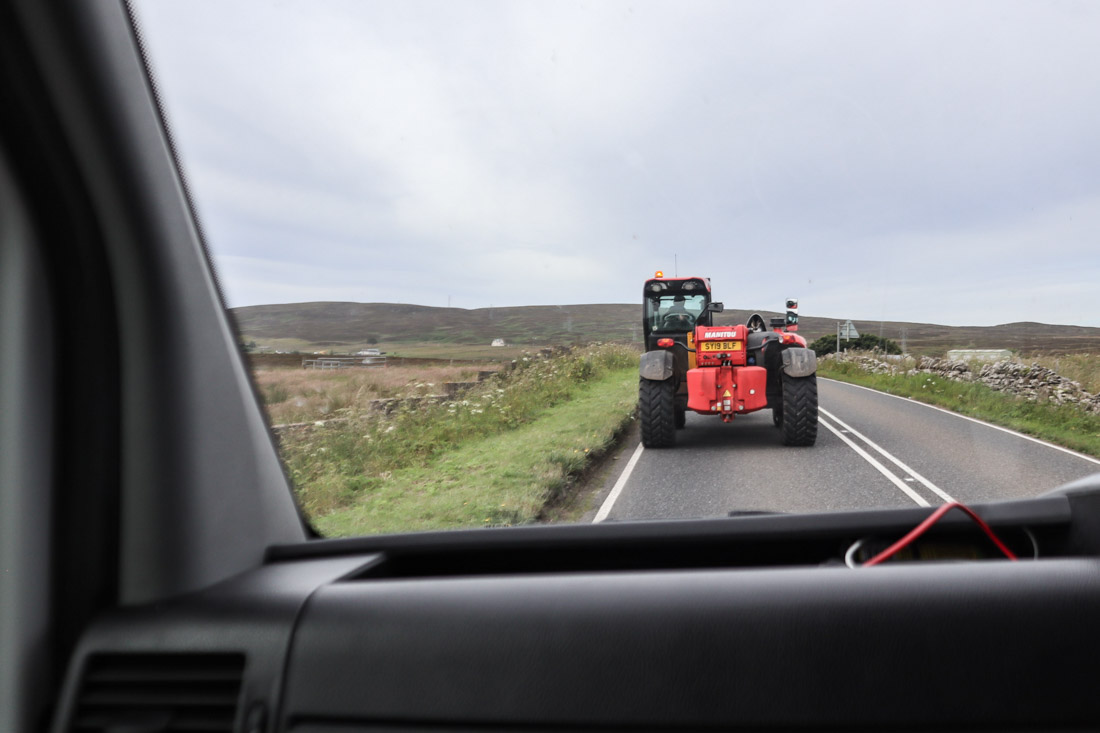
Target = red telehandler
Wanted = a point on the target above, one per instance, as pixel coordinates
(691, 364)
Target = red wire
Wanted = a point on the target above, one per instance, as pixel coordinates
(932, 519)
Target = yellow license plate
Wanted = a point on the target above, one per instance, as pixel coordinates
(720, 346)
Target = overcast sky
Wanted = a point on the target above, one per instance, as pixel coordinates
(922, 161)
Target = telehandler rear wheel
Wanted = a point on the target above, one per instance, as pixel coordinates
(799, 421)
(657, 409)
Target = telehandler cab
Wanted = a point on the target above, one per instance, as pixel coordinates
(723, 370)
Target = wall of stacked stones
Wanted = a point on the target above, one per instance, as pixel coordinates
(1029, 381)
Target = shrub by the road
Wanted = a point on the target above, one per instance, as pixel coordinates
(866, 342)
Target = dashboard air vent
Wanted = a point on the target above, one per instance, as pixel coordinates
(174, 693)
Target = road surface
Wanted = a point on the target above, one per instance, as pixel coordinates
(873, 451)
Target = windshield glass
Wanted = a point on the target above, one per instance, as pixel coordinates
(674, 312)
(432, 222)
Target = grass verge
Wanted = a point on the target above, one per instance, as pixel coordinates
(532, 425)
(498, 480)
(1063, 425)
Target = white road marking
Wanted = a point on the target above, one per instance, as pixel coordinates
(971, 419)
(881, 468)
(928, 484)
(609, 502)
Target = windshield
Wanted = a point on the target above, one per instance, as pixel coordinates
(432, 222)
(674, 312)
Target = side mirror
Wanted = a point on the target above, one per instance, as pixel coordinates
(715, 307)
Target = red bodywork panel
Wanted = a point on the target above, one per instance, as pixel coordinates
(721, 384)
(715, 345)
(707, 388)
(791, 338)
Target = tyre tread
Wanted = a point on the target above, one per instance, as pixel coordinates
(799, 422)
(657, 410)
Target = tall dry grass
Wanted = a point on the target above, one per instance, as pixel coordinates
(1081, 368)
(302, 395)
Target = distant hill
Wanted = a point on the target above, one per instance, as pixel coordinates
(334, 324)
(338, 323)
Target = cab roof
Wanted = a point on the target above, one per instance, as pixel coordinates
(661, 285)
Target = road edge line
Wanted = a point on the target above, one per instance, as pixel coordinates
(889, 456)
(917, 498)
(1010, 431)
(609, 502)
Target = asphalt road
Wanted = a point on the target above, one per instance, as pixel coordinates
(924, 456)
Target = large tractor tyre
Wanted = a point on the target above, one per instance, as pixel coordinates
(657, 409)
(681, 418)
(799, 421)
(777, 416)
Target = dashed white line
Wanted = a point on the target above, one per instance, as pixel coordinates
(927, 484)
(971, 419)
(917, 498)
(609, 502)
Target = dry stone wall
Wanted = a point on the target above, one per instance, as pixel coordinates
(1029, 381)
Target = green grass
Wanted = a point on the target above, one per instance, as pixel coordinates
(1063, 425)
(393, 471)
(499, 480)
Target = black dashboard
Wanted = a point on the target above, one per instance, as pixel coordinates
(705, 625)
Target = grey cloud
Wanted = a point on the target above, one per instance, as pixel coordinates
(540, 153)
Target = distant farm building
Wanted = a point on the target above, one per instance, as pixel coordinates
(499, 342)
(979, 354)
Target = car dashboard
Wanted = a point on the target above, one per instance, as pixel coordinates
(748, 623)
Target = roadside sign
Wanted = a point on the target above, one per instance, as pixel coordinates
(848, 331)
